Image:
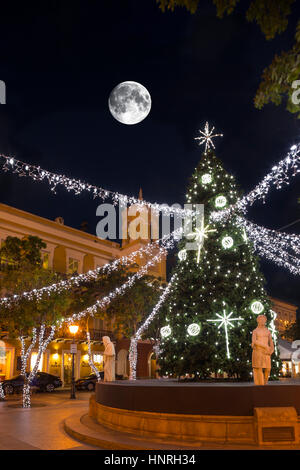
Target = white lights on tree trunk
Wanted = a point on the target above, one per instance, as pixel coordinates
(227, 242)
(257, 307)
(193, 329)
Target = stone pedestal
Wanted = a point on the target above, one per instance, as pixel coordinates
(276, 425)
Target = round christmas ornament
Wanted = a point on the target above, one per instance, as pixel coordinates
(257, 307)
(227, 242)
(165, 331)
(220, 202)
(193, 329)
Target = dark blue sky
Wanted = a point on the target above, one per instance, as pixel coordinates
(60, 60)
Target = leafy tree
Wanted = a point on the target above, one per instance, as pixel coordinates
(292, 332)
(125, 312)
(226, 279)
(272, 18)
(29, 318)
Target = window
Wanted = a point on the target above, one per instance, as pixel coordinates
(98, 358)
(45, 259)
(33, 361)
(73, 266)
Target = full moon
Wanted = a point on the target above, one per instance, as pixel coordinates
(129, 102)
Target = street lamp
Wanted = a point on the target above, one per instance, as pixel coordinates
(73, 330)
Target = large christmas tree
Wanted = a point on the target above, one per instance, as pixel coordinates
(218, 292)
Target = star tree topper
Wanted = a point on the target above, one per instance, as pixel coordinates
(207, 136)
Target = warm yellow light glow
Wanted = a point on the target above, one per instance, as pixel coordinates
(55, 356)
(73, 329)
(98, 358)
(33, 361)
(86, 357)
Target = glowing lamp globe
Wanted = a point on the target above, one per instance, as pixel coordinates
(220, 202)
(73, 329)
(165, 331)
(193, 329)
(257, 307)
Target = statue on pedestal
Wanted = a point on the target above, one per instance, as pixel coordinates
(263, 348)
(109, 360)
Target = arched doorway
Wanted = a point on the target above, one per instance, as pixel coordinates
(152, 365)
(122, 363)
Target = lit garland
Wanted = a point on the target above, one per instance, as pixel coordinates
(225, 320)
(278, 176)
(77, 186)
(144, 326)
(273, 330)
(273, 245)
(92, 275)
(282, 240)
(105, 301)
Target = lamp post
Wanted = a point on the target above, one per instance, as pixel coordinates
(73, 330)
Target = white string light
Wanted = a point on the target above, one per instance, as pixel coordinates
(77, 186)
(225, 321)
(274, 330)
(199, 235)
(206, 138)
(144, 326)
(92, 275)
(278, 176)
(105, 301)
(273, 245)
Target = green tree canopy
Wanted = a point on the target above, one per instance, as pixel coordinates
(272, 17)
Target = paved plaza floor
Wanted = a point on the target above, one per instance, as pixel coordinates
(41, 427)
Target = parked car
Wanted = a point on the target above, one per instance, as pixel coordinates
(42, 381)
(88, 382)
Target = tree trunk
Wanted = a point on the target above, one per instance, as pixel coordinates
(132, 358)
(2, 396)
(24, 360)
(91, 362)
(43, 343)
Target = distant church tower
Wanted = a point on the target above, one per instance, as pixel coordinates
(138, 231)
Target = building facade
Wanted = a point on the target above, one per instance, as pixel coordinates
(69, 250)
(286, 314)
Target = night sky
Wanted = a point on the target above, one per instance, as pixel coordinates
(60, 60)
